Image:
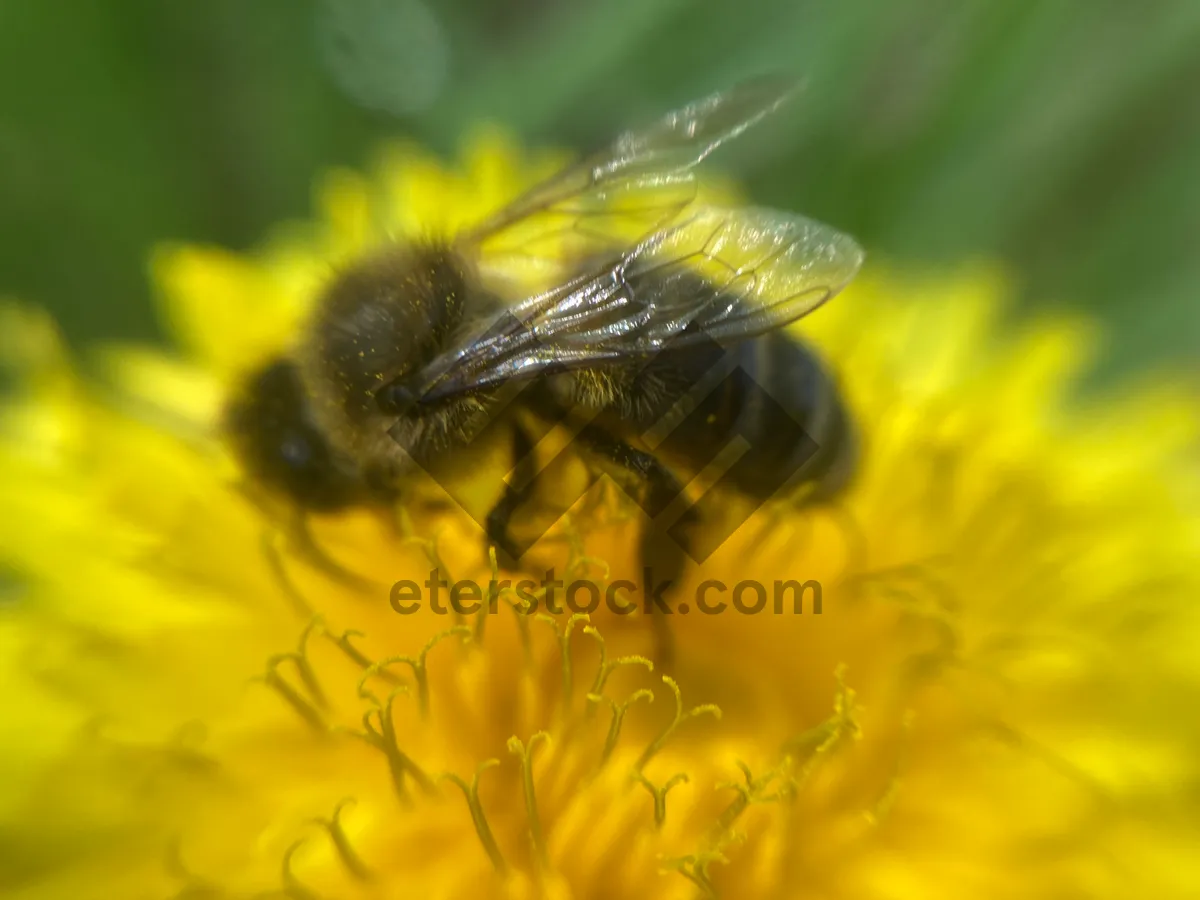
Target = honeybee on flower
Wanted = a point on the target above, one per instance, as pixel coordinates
(988, 705)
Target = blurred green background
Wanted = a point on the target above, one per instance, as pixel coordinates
(1062, 137)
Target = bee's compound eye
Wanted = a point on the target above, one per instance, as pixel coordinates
(296, 451)
(280, 442)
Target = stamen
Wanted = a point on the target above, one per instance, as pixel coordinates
(660, 794)
(357, 656)
(564, 645)
(520, 608)
(812, 745)
(694, 866)
(420, 671)
(307, 675)
(471, 793)
(429, 546)
(618, 717)
(680, 717)
(383, 738)
(753, 791)
(371, 671)
(294, 699)
(577, 561)
(606, 504)
(481, 616)
(434, 555)
(309, 710)
(607, 667)
(404, 521)
(583, 564)
(292, 888)
(350, 859)
(883, 806)
(525, 754)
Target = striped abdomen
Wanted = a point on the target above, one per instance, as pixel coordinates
(774, 394)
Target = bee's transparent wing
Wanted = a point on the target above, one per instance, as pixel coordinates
(635, 185)
(720, 275)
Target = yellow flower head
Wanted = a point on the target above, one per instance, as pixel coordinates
(981, 682)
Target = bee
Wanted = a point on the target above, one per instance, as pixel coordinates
(413, 350)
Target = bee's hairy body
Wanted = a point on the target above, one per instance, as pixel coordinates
(409, 351)
(327, 444)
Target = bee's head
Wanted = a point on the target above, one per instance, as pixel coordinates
(378, 320)
(385, 315)
(272, 428)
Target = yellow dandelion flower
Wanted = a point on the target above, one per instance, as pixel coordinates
(985, 690)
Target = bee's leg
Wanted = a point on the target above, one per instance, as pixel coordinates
(290, 529)
(306, 545)
(662, 555)
(516, 492)
(271, 540)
